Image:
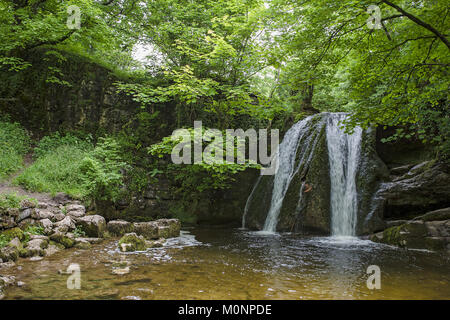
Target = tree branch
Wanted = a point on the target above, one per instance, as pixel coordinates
(419, 22)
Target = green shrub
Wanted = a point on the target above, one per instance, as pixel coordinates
(102, 171)
(14, 144)
(76, 168)
(36, 230)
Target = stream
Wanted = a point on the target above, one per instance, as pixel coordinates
(221, 263)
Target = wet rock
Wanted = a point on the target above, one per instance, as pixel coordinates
(149, 230)
(82, 244)
(61, 238)
(36, 247)
(93, 226)
(90, 240)
(441, 214)
(9, 253)
(422, 189)
(119, 227)
(39, 236)
(155, 243)
(417, 234)
(395, 223)
(121, 271)
(132, 242)
(51, 250)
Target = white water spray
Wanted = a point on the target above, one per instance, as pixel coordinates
(343, 153)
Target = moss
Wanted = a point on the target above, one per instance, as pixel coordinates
(56, 244)
(13, 233)
(132, 242)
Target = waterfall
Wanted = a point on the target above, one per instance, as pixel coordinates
(287, 153)
(247, 204)
(343, 154)
(310, 148)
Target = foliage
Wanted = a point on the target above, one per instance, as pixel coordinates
(14, 144)
(73, 166)
(214, 172)
(12, 200)
(101, 171)
(34, 230)
(78, 232)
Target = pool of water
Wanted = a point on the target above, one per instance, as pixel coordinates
(215, 263)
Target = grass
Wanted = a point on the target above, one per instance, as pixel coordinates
(12, 200)
(55, 171)
(14, 144)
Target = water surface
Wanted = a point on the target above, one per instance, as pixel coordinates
(212, 263)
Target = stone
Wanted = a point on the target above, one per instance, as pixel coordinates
(27, 203)
(61, 198)
(132, 242)
(59, 216)
(82, 244)
(51, 250)
(75, 207)
(93, 226)
(67, 221)
(61, 238)
(24, 215)
(40, 214)
(147, 229)
(441, 214)
(90, 240)
(9, 253)
(173, 228)
(155, 243)
(36, 247)
(39, 236)
(46, 224)
(121, 271)
(119, 227)
(26, 222)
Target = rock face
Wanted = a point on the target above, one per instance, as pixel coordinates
(423, 188)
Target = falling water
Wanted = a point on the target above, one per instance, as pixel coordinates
(247, 204)
(286, 156)
(343, 153)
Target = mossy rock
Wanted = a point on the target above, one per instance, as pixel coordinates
(14, 233)
(62, 239)
(132, 242)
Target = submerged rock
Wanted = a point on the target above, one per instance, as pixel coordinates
(132, 242)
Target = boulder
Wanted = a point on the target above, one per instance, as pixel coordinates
(40, 214)
(132, 242)
(61, 238)
(36, 247)
(9, 253)
(66, 222)
(147, 229)
(93, 226)
(13, 233)
(46, 224)
(119, 227)
(169, 228)
(26, 213)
